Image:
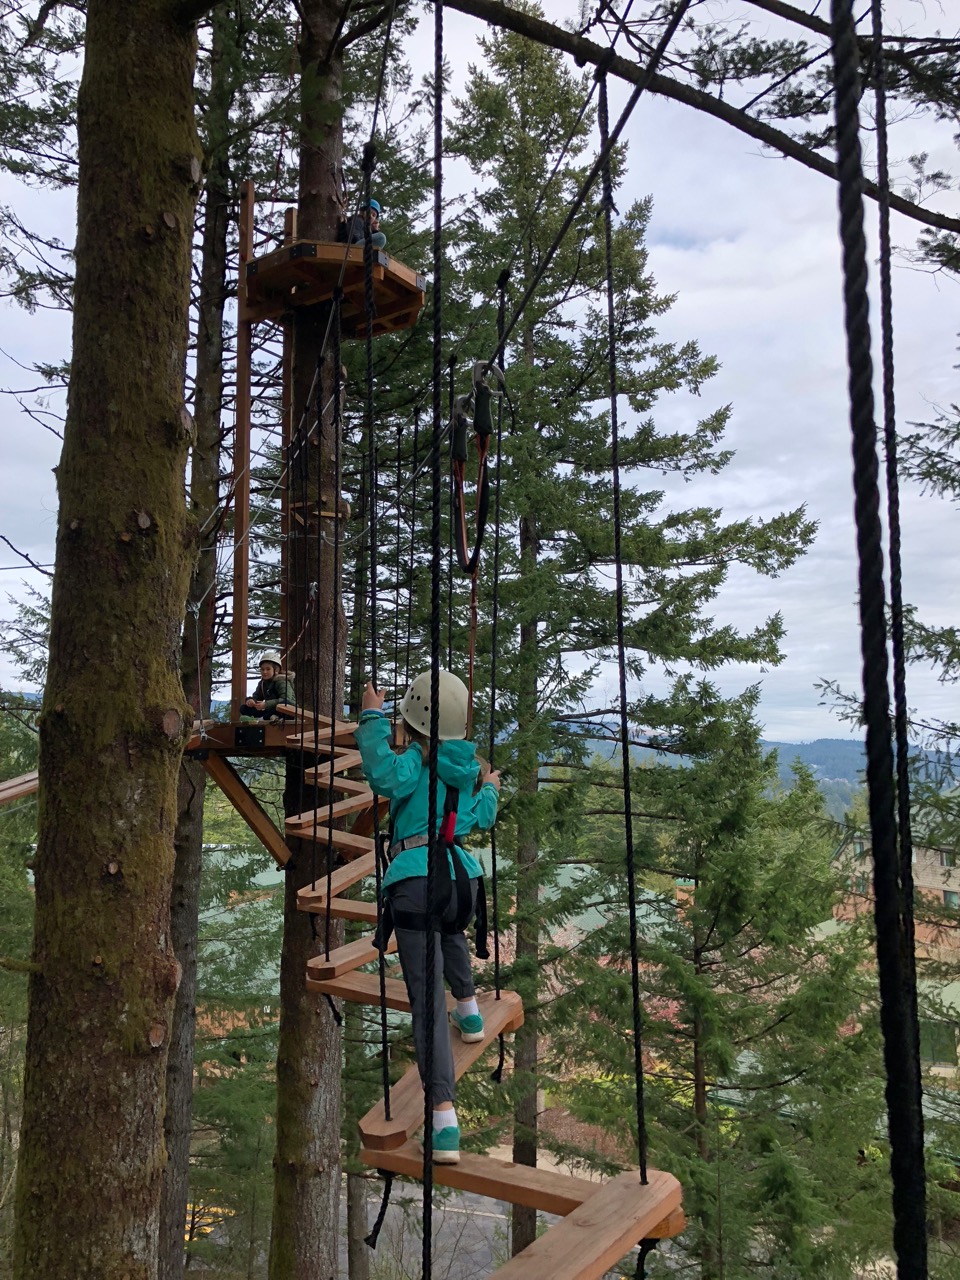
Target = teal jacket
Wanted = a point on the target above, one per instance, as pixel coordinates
(405, 779)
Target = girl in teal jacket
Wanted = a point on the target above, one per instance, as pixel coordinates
(404, 777)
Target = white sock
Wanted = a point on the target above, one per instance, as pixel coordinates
(467, 1007)
(446, 1119)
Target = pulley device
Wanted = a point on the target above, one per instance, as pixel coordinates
(488, 385)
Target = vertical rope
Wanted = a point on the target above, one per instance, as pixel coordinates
(430, 958)
(603, 119)
(451, 515)
(897, 1009)
(494, 620)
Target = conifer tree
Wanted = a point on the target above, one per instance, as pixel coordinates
(555, 598)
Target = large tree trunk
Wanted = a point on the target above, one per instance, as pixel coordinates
(304, 1236)
(114, 717)
(196, 658)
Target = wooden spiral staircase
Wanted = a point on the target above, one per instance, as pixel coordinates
(601, 1221)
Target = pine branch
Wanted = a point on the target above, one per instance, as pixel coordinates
(18, 966)
(554, 37)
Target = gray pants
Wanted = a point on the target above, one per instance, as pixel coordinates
(452, 962)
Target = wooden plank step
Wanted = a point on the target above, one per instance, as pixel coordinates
(347, 843)
(344, 909)
(342, 878)
(591, 1238)
(247, 805)
(364, 988)
(319, 736)
(340, 763)
(347, 958)
(19, 788)
(406, 1096)
(542, 1189)
(339, 809)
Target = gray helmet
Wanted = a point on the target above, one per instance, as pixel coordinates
(271, 656)
(454, 700)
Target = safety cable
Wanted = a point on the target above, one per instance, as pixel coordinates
(621, 636)
(897, 1003)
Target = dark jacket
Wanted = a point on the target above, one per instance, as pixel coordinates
(272, 692)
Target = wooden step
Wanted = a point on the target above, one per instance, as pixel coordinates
(349, 845)
(542, 1189)
(19, 788)
(597, 1234)
(344, 909)
(319, 737)
(340, 879)
(364, 988)
(340, 762)
(331, 813)
(247, 805)
(347, 958)
(406, 1096)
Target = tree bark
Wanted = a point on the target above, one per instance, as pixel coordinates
(196, 658)
(304, 1236)
(358, 1251)
(114, 716)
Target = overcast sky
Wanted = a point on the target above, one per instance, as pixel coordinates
(749, 245)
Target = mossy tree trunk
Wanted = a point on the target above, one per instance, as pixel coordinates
(197, 647)
(304, 1235)
(114, 716)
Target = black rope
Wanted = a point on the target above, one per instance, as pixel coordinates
(430, 950)
(587, 184)
(335, 634)
(451, 501)
(897, 1009)
(645, 1248)
(374, 1235)
(900, 715)
(621, 639)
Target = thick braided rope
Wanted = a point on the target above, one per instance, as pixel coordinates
(603, 121)
(905, 1118)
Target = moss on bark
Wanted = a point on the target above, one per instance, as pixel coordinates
(114, 716)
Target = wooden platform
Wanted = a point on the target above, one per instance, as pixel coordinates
(19, 788)
(306, 272)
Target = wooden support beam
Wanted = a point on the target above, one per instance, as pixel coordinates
(247, 805)
(241, 462)
(364, 988)
(406, 1096)
(340, 879)
(347, 958)
(591, 1238)
(19, 788)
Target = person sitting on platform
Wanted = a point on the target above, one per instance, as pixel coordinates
(354, 231)
(464, 804)
(275, 688)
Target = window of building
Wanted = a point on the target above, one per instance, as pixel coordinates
(938, 1043)
(948, 858)
(858, 848)
(951, 898)
(861, 884)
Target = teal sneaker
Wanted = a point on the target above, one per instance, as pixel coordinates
(446, 1145)
(470, 1026)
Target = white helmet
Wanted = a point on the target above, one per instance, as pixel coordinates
(271, 656)
(415, 707)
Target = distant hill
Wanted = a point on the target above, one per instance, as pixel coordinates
(839, 759)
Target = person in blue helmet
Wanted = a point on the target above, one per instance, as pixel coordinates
(467, 799)
(354, 232)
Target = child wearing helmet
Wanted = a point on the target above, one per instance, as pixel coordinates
(274, 688)
(462, 807)
(354, 231)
